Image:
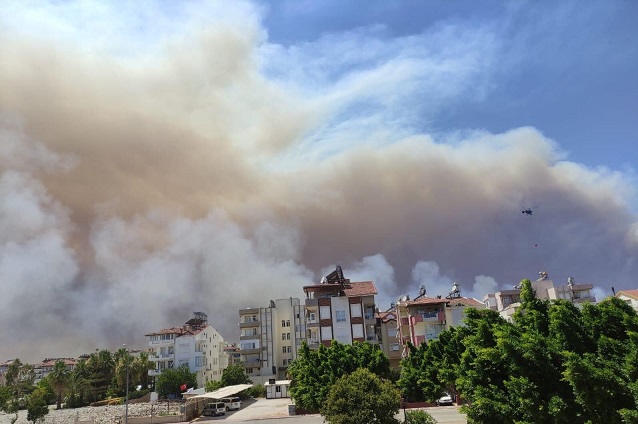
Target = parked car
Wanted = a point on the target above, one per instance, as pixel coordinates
(232, 403)
(214, 408)
(445, 400)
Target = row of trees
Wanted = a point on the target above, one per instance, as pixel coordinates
(102, 375)
(555, 363)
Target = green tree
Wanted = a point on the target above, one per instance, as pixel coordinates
(78, 389)
(234, 374)
(37, 407)
(20, 377)
(361, 397)
(140, 367)
(9, 402)
(59, 377)
(170, 380)
(123, 366)
(315, 371)
(213, 385)
(101, 369)
(45, 386)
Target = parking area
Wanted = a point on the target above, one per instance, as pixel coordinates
(254, 409)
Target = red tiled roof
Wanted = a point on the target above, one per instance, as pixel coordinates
(426, 301)
(351, 289)
(387, 316)
(631, 293)
(173, 330)
(467, 301)
(361, 288)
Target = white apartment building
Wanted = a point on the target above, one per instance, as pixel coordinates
(270, 338)
(630, 297)
(196, 344)
(506, 302)
(341, 310)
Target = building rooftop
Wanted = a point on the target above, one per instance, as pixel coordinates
(349, 289)
(631, 293)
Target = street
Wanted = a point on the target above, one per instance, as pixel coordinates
(443, 415)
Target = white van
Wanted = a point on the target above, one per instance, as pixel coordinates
(232, 403)
(214, 408)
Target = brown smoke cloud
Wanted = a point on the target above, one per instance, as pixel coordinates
(134, 192)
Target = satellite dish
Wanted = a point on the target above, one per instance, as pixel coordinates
(422, 290)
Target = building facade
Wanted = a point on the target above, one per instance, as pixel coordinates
(424, 318)
(340, 310)
(506, 302)
(270, 338)
(196, 344)
(388, 335)
(630, 297)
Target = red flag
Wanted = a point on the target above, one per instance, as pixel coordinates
(182, 387)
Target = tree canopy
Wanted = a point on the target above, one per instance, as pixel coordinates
(170, 380)
(315, 371)
(361, 397)
(553, 363)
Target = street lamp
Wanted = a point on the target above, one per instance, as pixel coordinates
(126, 398)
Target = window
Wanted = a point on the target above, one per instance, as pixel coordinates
(283, 349)
(287, 336)
(394, 347)
(198, 361)
(289, 349)
(278, 389)
(312, 317)
(392, 332)
(341, 315)
(287, 323)
(283, 336)
(283, 323)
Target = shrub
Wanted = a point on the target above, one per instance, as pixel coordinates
(257, 391)
(419, 416)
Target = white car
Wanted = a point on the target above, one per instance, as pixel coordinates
(445, 400)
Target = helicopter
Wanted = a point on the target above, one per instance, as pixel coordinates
(528, 211)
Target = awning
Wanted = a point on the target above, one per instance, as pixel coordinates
(278, 383)
(223, 392)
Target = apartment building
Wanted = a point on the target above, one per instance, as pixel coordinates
(196, 344)
(270, 338)
(341, 310)
(424, 318)
(44, 368)
(630, 297)
(506, 302)
(232, 352)
(388, 335)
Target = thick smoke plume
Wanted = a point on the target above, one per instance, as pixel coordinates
(137, 187)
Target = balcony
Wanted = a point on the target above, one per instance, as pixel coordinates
(249, 324)
(251, 364)
(249, 337)
(160, 357)
(249, 351)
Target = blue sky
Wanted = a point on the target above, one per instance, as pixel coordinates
(569, 69)
(151, 148)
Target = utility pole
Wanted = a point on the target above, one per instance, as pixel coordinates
(126, 398)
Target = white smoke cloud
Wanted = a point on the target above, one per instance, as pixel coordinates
(203, 168)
